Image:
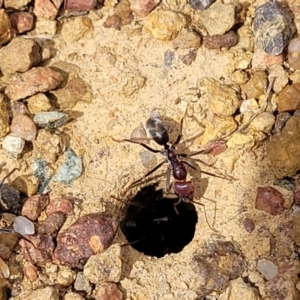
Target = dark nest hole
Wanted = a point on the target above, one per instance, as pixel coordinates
(153, 227)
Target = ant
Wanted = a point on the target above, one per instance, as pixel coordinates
(177, 162)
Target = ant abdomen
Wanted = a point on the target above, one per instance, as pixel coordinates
(157, 130)
(184, 189)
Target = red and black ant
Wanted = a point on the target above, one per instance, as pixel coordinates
(177, 162)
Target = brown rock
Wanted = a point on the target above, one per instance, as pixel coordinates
(108, 291)
(90, 234)
(53, 223)
(34, 205)
(37, 249)
(22, 21)
(16, 4)
(122, 16)
(256, 86)
(6, 31)
(269, 200)
(284, 149)
(188, 58)
(23, 127)
(79, 5)
(47, 146)
(41, 79)
(261, 60)
(46, 8)
(187, 39)
(26, 184)
(217, 264)
(37, 103)
(27, 52)
(59, 205)
(226, 40)
(142, 8)
(30, 271)
(289, 98)
(75, 90)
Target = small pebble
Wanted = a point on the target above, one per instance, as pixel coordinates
(226, 40)
(10, 199)
(41, 79)
(269, 200)
(47, 293)
(53, 223)
(283, 150)
(82, 283)
(263, 122)
(38, 103)
(169, 56)
(37, 249)
(289, 98)
(218, 18)
(77, 28)
(28, 55)
(26, 184)
(248, 225)
(109, 260)
(23, 127)
(13, 144)
(45, 26)
(187, 39)
(18, 108)
(142, 8)
(34, 205)
(262, 60)
(22, 21)
(70, 170)
(294, 53)
(267, 268)
(79, 5)
(51, 119)
(281, 77)
(23, 226)
(15, 4)
(108, 291)
(65, 276)
(46, 8)
(280, 121)
(59, 205)
(30, 271)
(188, 58)
(90, 234)
(272, 27)
(200, 4)
(165, 25)
(73, 296)
(4, 118)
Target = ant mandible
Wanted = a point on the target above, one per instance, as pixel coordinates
(177, 162)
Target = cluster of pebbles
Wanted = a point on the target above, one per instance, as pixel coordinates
(35, 101)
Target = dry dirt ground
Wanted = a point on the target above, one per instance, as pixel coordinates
(109, 165)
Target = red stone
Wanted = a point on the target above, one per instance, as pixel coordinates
(22, 21)
(79, 5)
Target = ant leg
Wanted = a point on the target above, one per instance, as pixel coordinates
(144, 176)
(205, 215)
(175, 204)
(179, 136)
(168, 181)
(137, 142)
